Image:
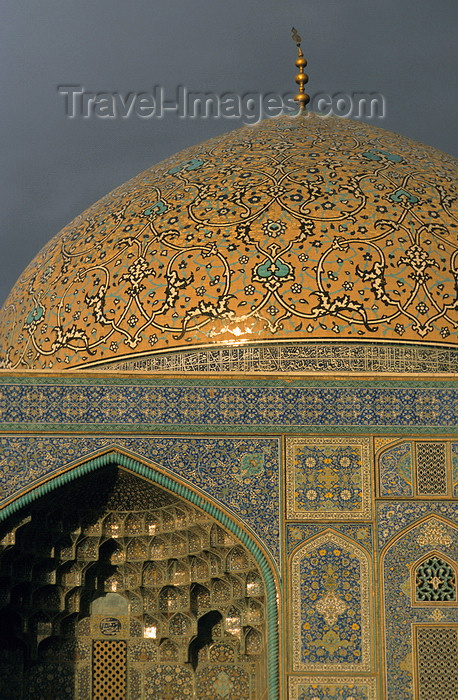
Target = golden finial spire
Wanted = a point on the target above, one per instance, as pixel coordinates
(301, 78)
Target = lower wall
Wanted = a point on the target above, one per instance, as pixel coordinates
(349, 488)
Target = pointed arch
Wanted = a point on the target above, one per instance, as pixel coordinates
(171, 483)
(319, 600)
(329, 529)
(403, 552)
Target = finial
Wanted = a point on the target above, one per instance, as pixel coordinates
(301, 78)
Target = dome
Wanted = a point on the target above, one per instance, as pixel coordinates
(294, 232)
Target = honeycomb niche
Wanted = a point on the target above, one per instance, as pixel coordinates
(112, 587)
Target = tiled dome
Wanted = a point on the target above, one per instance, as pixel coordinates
(295, 231)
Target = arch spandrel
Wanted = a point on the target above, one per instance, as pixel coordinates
(188, 461)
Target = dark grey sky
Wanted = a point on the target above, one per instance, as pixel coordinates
(53, 167)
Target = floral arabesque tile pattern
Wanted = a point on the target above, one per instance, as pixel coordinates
(169, 681)
(393, 517)
(331, 688)
(217, 466)
(399, 615)
(285, 230)
(395, 469)
(222, 682)
(163, 404)
(330, 606)
(54, 680)
(328, 477)
(296, 533)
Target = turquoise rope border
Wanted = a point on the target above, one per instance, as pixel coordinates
(196, 499)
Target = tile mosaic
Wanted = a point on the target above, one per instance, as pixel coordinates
(415, 468)
(245, 238)
(328, 478)
(296, 533)
(400, 610)
(240, 473)
(330, 605)
(223, 682)
(455, 468)
(395, 470)
(393, 516)
(331, 688)
(169, 681)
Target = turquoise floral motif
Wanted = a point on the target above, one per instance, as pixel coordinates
(251, 464)
(395, 467)
(34, 316)
(192, 164)
(274, 228)
(158, 208)
(402, 194)
(376, 154)
(273, 272)
(275, 268)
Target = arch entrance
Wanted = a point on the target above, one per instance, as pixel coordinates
(114, 587)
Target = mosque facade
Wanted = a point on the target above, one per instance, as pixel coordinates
(228, 429)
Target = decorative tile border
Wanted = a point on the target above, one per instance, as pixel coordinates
(214, 405)
(331, 688)
(455, 468)
(328, 478)
(305, 357)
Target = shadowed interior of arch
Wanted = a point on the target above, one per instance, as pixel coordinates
(204, 637)
(194, 596)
